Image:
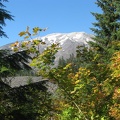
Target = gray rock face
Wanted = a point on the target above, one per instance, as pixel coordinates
(21, 80)
(15, 82)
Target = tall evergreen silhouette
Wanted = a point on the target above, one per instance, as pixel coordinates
(4, 15)
(107, 25)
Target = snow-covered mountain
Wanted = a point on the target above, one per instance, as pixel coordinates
(68, 42)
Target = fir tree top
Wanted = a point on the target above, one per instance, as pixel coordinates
(4, 14)
(107, 26)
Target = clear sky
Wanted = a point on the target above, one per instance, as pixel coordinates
(60, 16)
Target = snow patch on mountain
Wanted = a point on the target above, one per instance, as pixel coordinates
(62, 37)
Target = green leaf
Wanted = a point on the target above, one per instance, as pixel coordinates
(22, 33)
(4, 69)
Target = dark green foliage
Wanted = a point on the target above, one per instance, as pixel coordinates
(61, 62)
(4, 15)
(25, 102)
(107, 26)
(10, 61)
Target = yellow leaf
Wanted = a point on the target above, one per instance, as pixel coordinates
(76, 82)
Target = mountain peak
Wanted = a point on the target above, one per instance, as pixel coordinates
(62, 37)
(68, 42)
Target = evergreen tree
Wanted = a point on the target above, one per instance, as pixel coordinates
(107, 27)
(4, 14)
(61, 62)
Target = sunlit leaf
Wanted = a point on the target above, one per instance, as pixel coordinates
(22, 33)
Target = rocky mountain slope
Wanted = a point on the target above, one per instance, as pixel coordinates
(68, 42)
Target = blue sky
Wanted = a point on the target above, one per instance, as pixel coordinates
(60, 16)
